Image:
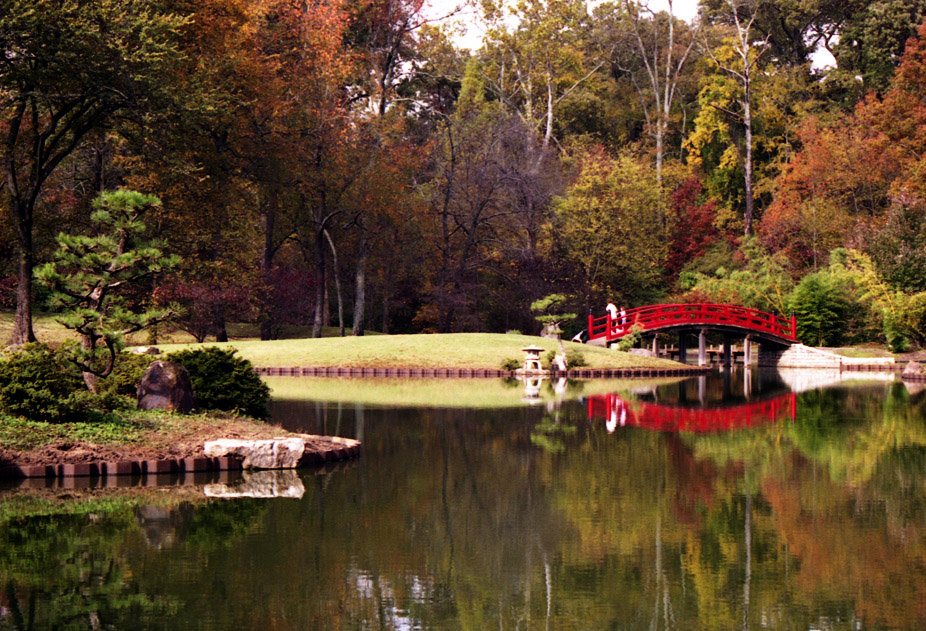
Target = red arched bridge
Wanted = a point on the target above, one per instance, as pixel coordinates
(681, 317)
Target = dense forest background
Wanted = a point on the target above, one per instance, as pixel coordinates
(344, 162)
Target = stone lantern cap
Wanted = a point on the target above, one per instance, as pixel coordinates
(533, 350)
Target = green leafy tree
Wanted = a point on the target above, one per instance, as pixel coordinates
(872, 42)
(915, 317)
(532, 67)
(886, 301)
(608, 227)
(652, 50)
(66, 69)
(90, 276)
(727, 102)
(821, 309)
(899, 248)
(762, 282)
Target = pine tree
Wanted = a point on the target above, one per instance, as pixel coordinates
(90, 275)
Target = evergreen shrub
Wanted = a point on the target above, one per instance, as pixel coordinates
(128, 370)
(822, 310)
(39, 384)
(574, 359)
(222, 381)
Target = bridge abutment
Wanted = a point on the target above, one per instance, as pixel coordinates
(797, 356)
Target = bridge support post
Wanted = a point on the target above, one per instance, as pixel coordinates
(682, 347)
(702, 347)
(656, 345)
(727, 352)
(747, 351)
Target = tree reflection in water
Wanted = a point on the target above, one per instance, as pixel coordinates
(463, 519)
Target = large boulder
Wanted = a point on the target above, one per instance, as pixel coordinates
(914, 369)
(166, 386)
(272, 453)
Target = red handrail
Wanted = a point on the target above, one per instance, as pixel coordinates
(655, 317)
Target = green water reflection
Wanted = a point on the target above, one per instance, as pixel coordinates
(531, 517)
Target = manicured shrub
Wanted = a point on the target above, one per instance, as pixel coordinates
(128, 370)
(511, 363)
(575, 359)
(37, 383)
(222, 381)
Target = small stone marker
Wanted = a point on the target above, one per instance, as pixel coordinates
(165, 386)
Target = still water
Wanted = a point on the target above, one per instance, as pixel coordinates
(759, 501)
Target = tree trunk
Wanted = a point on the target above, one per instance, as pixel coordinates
(22, 324)
(386, 315)
(87, 343)
(337, 282)
(321, 286)
(221, 332)
(747, 120)
(268, 222)
(360, 283)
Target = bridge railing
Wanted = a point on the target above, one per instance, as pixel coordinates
(655, 317)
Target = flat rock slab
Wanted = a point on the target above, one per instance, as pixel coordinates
(281, 453)
(272, 453)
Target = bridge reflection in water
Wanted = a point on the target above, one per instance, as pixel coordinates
(620, 412)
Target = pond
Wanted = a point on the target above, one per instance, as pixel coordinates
(741, 500)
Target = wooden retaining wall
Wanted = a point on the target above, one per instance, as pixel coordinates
(167, 466)
(467, 373)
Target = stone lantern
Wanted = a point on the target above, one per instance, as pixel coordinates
(532, 358)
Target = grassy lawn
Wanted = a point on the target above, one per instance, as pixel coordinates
(862, 351)
(445, 393)
(50, 332)
(154, 430)
(453, 350)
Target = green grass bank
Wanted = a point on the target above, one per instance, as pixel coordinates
(451, 350)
